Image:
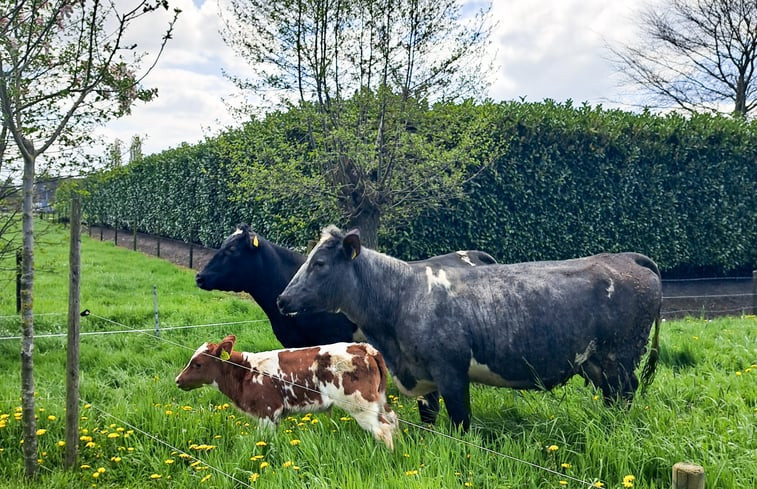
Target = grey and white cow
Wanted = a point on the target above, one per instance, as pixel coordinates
(526, 326)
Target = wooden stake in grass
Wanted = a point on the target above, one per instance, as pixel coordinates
(688, 476)
(72, 351)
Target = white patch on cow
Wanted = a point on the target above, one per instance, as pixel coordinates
(465, 258)
(237, 232)
(582, 357)
(202, 350)
(421, 388)
(264, 363)
(482, 374)
(610, 289)
(439, 279)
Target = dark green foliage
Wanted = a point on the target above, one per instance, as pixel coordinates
(559, 182)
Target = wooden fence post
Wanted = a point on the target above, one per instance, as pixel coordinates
(754, 292)
(688, 476)
(72, 353)
(134, 236)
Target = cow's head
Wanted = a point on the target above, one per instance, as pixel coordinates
(230, 266)
(206, 365)
(326, 276)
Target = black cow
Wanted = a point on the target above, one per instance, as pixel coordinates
(528, 325)
(246, 262)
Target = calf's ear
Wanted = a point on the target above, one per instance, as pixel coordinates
(351, 243)
(225, 347)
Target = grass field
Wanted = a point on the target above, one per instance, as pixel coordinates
(139, 431)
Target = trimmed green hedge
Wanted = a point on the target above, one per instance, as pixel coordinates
(565, 181)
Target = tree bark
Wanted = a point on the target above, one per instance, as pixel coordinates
(367, 219)
(27, 320)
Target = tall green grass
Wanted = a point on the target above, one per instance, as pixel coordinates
(139, 431)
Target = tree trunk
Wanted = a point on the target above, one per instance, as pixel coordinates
(27, 320)
(367, 220)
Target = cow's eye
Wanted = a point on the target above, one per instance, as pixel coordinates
(318, 264)
(196, 365)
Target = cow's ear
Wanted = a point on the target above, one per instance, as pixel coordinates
(351, 244)
(226, 347)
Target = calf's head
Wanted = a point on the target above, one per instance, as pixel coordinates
(206, 364)
(328, 272)
(235, 260)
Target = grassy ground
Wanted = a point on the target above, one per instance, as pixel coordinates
(139, 431)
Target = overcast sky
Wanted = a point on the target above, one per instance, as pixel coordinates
(542, 49)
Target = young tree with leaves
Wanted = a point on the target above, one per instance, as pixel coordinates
(696, 55)
(65, 66)
(362, 75)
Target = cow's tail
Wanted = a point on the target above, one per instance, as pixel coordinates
(647, 373)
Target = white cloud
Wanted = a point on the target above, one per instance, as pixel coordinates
(544, 49)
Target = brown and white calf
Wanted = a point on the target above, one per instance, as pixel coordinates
(268, 385)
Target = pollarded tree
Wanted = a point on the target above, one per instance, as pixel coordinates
(65, 66)
(696, 55)
(361, 76)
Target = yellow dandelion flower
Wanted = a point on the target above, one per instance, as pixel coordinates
(563, 483)
(217, 437)
(85, 467)
(90, 445)
(87, 406)
(114, 435)
(186, 408)
(206, 478)
(263, 465)
(61, 443)
(596, 397)
(85, 438)
(51, 418)
(294, 442)
(184, 455)
(96, 475)
(256, 458)
(345, 418)
(101, 470)
(120, 429)
(115, 459)
(468, 484)
(156, 476)
(168, 412)
(287, 464)
(315, 421)
(261, 444)
(738, 374)
(629, 478)
(552, 448)
(195, 463)
(411, 473)
(565, 466)
(599, 484)
(41, 432)
(627, 484)
(169, 461)
(254, 476)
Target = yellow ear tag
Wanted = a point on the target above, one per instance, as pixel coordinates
(225, 355)
(354, 254)
(255, 241)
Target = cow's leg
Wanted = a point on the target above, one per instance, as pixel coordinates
(428, 407)
(455, 389)
(615, 378)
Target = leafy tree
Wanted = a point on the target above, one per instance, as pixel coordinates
(696, 54)
(65, 66)
(360, 76)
